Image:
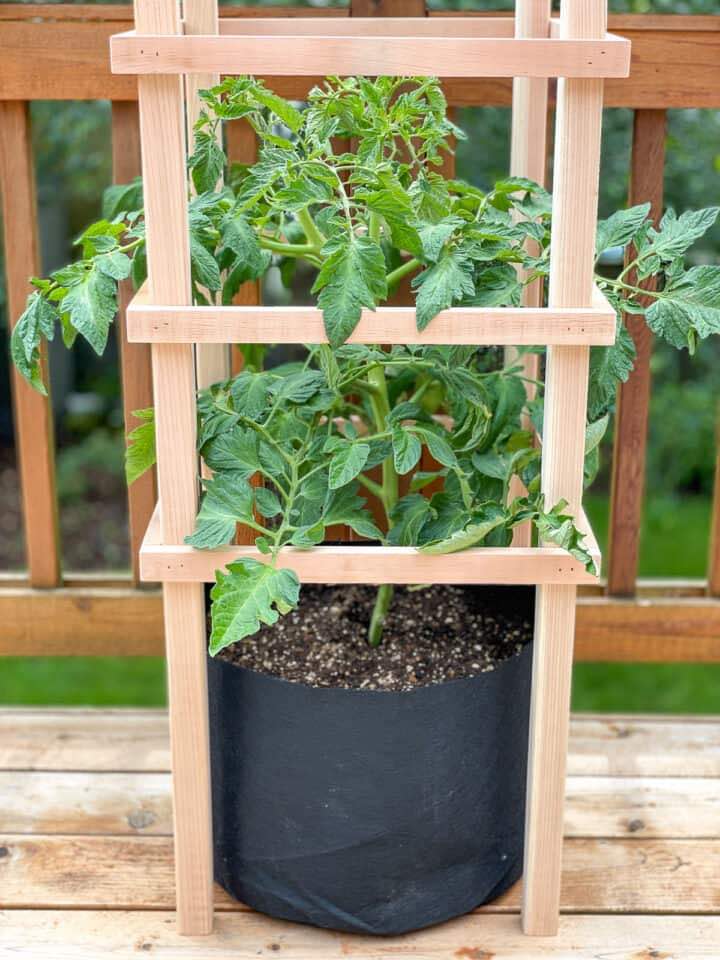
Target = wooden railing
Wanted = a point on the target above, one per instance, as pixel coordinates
(61, 52)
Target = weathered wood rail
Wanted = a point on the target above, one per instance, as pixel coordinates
(61, 52)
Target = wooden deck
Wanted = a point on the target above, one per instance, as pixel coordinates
(86, 851)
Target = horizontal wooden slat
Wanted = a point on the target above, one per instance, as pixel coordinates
(85, 803)
(84, 739)
(125, 935)
(641, 746)
(442, 48)
(96, 620)
(670, 807)
(683, 51)
(137, 740)
(75, 621)
(467, 325)
(658, 630)
(626, 876)
(140, 804)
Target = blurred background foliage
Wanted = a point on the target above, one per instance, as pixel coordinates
(72, 152)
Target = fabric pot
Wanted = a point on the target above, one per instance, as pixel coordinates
(372, 812)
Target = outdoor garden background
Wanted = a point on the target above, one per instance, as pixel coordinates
(72, 151)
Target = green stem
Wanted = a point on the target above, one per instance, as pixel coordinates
(314, 236)
(389, 492)
(380, 610)
(289, 249)
(399, 272)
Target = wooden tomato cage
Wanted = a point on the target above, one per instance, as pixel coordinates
(173, 60)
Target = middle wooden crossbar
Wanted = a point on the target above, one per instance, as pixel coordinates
(526, 326)
(346, 46)
(160, 562)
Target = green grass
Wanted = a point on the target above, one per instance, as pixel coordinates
(673, 544)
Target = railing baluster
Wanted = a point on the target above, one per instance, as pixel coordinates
(628, 470)
(34, 432)
(135, 363)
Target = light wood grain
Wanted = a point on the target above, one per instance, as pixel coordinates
(70, 45)
(632, 875)
(133, 804)
(575, 192)
(34, 431)
(212, 361)
(125, 935)
(135, 361)
(594, 324)
(86, 803)
(444, 51)
(89, 620)
(647, 170)
(132, 740)
(165, 190)
(80, 621)
(528, 158)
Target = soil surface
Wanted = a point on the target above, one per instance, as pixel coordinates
(432, 634)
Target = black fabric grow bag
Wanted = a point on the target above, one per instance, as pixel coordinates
(372, 812)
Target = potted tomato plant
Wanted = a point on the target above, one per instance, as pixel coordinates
(368, 744)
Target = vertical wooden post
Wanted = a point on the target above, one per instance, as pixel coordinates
(212, 360)
(528, 158)
(34, 433)
(135, 362)
(647, 168)
(576, 171)
(162, 125)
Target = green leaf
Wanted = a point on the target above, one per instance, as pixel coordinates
(250, 593)
(281, 108)
(559, 528)
(228, 500)
(298, 387)
(437, 444)
(608, 367)
(688, 306)
(267, 502)
(239, 239)
(309, 535)
(352, 277)
(434, 236)
(37, 321)
(594, 432)
(250, 393)
(345, 506)
(676, 234)
(619, 229)
(91, 306)
(205, 270)
(496, 286)
(208, 160)
(483, 523)
(407, 518)
(441, 285)
(116, 265)
(122, 198)
(140, 450)
(235, 451)
(406, 449)
(347, 463)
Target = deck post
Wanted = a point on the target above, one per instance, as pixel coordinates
(162, 124)
(576, 173)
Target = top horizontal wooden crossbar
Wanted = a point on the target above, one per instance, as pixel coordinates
(491, 326)
(437, 46)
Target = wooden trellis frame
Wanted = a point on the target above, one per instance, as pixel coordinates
(173, 58)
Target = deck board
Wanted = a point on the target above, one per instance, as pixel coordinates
(83, 935)
(86, 861)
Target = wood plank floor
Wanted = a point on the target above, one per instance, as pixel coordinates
(86, 851)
